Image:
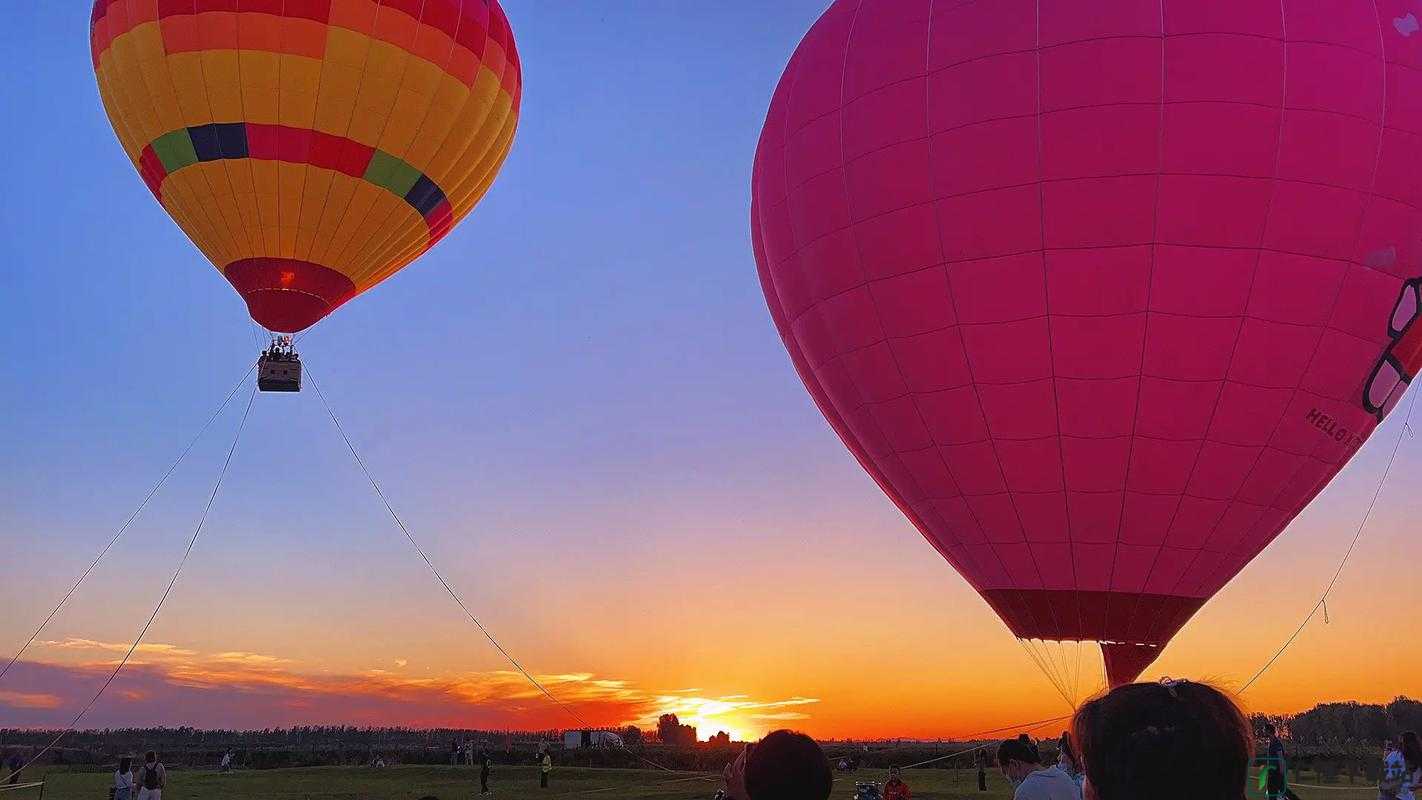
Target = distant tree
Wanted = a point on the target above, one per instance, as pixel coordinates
(668, 728)
(1405, 714)
(721, 739)
(632, 736)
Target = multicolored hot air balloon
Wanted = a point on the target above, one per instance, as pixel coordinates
(310, 148)
(1101, 298)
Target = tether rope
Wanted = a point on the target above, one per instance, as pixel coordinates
(1357, 534)
(360, 462)
(128, 522)
(192, 541)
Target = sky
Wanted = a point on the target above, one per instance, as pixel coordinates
(580, 407)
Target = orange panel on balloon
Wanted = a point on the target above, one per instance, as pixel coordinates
(297, 98)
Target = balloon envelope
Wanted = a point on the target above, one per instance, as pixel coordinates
(1101, 299)
(310, 148)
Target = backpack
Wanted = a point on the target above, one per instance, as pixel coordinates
(150, 776)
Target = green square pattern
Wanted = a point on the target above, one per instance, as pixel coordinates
(392, 173)
(175, 150)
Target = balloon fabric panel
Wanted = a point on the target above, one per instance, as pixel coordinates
(310, 148)
(1101, 300)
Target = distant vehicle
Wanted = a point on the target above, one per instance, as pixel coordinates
(575, 740)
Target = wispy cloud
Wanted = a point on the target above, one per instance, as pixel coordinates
(42, 700)
(169, 684)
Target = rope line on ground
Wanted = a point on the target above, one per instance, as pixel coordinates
(1357, 534)
(128, 522)
(360, 462)
(192, 541)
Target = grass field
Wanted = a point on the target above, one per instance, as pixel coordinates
(510, 783)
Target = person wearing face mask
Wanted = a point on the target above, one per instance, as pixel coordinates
(1021, 764)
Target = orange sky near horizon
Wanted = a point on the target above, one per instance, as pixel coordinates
(819, 631)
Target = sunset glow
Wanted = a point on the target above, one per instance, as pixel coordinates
(581, 410)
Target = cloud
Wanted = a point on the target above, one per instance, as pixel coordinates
(173, 685)
(30, 700)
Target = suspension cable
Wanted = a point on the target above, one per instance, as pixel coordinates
(360, 462)
(113, 540)
(192, 541)
(1357, 534)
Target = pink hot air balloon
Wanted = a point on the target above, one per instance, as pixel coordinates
(1101, 297)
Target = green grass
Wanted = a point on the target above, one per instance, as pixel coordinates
(462, 783)
(515, 783)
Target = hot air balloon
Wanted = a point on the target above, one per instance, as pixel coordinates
(310, 148)
(1101, 298)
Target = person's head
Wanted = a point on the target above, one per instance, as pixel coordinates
(1018, 758)
(1269, 730)
(1066, 754)
(150, 757)
(1133, 740)
(1411, 750)
(893, 772)
(125, 764)
(1387, 746)
(785, 765)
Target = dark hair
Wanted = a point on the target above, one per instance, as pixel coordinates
(125, 764)
(1134, 735)
(1065, 745)
(786, 765)
(1270, 729)
(1411, 750)
(1020, 749)
(150, 756)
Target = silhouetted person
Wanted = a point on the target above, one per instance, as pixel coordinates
(15, 763)
(1173, 740)
(486, 764)
(783, 766)
(543, 769)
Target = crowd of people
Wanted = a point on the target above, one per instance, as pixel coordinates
(1127, 744)
(1172, 740)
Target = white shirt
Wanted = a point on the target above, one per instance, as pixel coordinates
(123, 780)
(1048, 783)
(1395, 767)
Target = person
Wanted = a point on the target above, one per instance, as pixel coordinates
(1393, 769)
(123, 779)
(785, 765)
(15, 763)
(1021, 763)
(153, 778)
(1173, 740)
(981, 758)
(1276, 779)
(1412, 766)
(227, 761)
(486, 765)
(895, 788)
(545, 767)
(1067, 761)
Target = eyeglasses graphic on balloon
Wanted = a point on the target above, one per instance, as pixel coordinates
(1402, 359)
